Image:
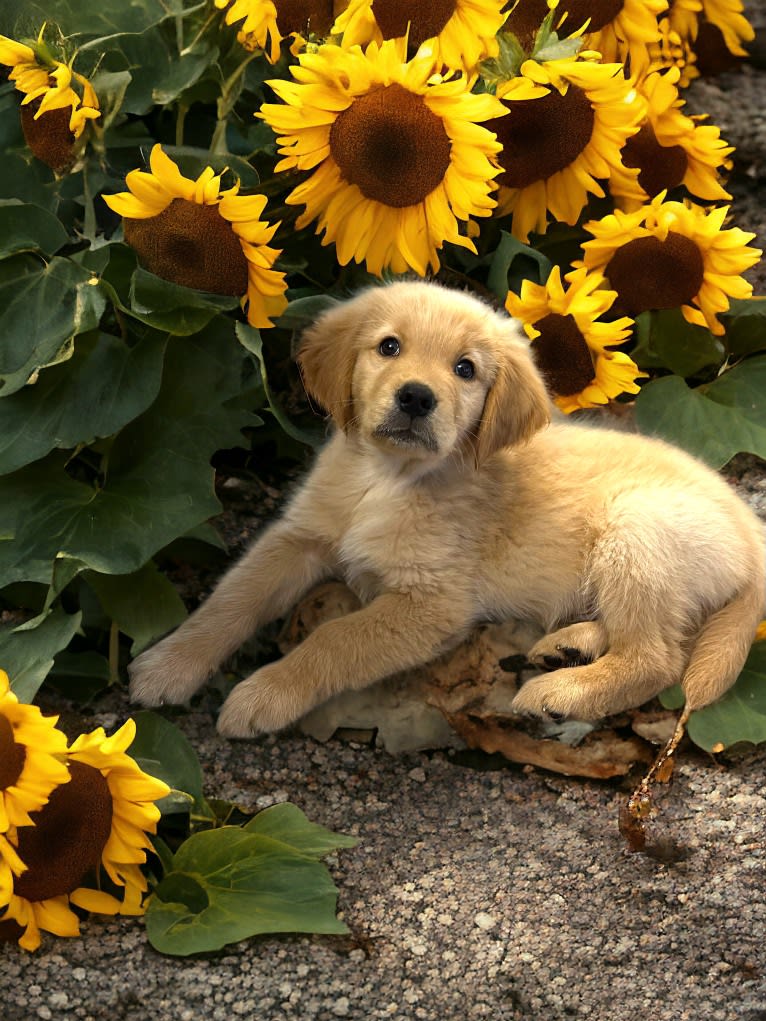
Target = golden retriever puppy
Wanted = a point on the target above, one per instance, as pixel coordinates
(446, 497)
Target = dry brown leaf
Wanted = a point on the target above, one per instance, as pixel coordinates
(473, 687)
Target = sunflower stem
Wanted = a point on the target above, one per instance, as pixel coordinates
(89, 221)
(230, 91)
(180, 121)
(114, 653)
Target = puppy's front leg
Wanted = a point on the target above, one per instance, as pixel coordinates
(395, 632)
(268, 579)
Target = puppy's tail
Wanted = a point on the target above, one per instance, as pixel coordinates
(722, 646)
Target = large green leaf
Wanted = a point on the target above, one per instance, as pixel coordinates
(286, 823)
(664, 339)
(229, 884)
(104, 18)
(740, 716)
(27, 654)
(746, 325)
(162, 750)
(714, 422)
(159, 72)
(25, 227)
(102, 387)
(41, 308)
(143, 604)
(157, 483)
(513, 262)
(168, 306)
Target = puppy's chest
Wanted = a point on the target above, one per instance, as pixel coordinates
(397, 541)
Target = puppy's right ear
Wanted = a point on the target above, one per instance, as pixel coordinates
(326, 358)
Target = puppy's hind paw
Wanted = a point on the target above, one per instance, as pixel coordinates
(572, 646)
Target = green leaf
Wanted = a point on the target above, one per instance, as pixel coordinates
(250, 339)
(156, 485)
(104, 18)
(162, 750)
(745, 324)
(171, 307)
(303, 311)
(664, 339)
(102, 387)
(143, 604)
(22, 177)
(526, 263)
(80, 675)
(739, 716)
(286, 823)
(228, 884)
(27, 655)
(25, 227)
(41, 308)
(714, 422)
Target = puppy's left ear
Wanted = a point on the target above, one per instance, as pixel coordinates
(326, 358)
(518, 404)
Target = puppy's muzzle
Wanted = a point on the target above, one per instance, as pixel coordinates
(408, 423)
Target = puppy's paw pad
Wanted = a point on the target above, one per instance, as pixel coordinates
(559, 656)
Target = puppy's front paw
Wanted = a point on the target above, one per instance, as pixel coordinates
(555, 696)
(166, 673)
(265, 702)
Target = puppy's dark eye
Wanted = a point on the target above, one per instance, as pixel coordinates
(465, 369)
(389, 347)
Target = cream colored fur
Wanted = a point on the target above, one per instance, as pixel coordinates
(629, 552)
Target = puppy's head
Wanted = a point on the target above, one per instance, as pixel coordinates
(420, 371)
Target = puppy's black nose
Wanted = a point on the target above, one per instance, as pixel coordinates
(416, 399)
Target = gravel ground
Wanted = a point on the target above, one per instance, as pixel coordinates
(474, 892)
(504, 894)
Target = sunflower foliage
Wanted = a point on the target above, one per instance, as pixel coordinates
(184, 186)
(120, 825)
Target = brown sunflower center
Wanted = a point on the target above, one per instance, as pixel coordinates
(391, 146)
(650, 273)
(562, 355)
(12, 756)
(49, 136)
(68, 837)
(600, 12)
(542, 136)
(713, 55)
(190, 244)
(660, 166)
(304, 16)
(425, 20)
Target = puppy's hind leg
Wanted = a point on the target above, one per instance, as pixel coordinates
(644, 616)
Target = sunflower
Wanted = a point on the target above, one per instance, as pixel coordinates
(687, 17)
(618, 29)
(57, 103)
(672, 255)
(267, 22)
(32, 755)
(397, 155)
(194, 234)
(98, 819)
(673, 50)
(571, 349)
(566, 124)
(670, 149)
(456, 33)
